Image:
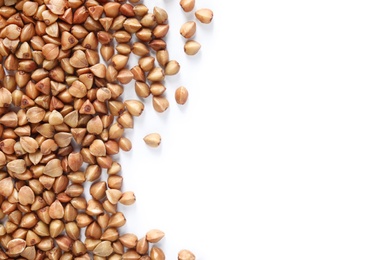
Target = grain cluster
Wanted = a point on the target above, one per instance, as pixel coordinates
(65, 65)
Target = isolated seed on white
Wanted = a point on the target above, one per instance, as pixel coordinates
(187, 5)
(181, 95)
(153, 139)
(188, 29)
(191, 47)
(204, 15)
(185, 254)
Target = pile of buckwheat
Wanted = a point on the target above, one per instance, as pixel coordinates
(62, 119)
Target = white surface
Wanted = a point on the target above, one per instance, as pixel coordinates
(282, 151)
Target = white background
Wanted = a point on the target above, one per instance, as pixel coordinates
(282, 151)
